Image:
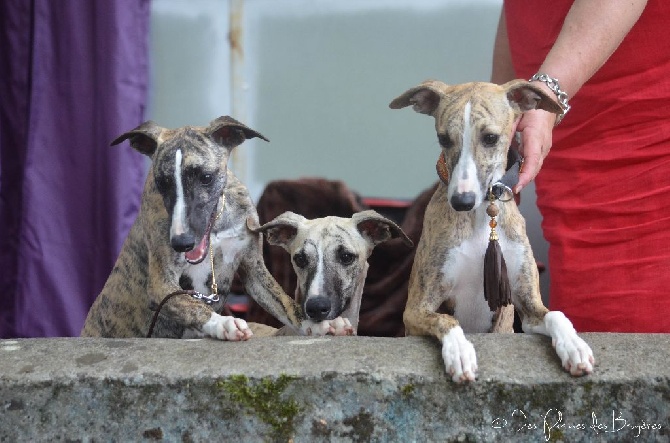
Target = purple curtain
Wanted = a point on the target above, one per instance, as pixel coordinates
(73, 76)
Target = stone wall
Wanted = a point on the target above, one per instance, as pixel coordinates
(342, 389)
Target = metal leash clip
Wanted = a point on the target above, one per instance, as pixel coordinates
(209, 299)
(498, 189)
(509, 179)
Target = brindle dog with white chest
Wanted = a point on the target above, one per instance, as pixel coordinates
(193, 230)
(474, 124)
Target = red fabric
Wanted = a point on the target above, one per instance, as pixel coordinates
(604, 189)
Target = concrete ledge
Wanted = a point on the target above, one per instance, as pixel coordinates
(344, 389)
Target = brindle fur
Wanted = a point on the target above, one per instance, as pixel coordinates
(322, 242)
(148, 268)
(434, 281)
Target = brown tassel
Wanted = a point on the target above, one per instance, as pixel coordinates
(496, 282)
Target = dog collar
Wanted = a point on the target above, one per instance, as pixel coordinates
(506, 183)
(441, 167)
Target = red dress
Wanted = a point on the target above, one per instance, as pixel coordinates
(604, 189)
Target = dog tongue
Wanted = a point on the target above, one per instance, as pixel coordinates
(196, 254)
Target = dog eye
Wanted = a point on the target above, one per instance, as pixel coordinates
(444, 140)
(206, 179)
(490, 139)
(346, 257)
(300, 260)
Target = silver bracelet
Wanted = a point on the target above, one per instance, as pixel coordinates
(552, 84)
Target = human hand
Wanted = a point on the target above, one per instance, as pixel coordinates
(536, 128)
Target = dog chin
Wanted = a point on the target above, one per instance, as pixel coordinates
(462, 208)
(332, 315)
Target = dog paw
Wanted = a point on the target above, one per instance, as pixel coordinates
(459, 356)
(337, 326)
(227, 328)
(575, 354)
(341, 326)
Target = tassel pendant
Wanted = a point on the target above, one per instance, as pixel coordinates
(496, 282)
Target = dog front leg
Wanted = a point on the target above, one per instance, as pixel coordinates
(184, 313)
(200, 320)
(503, 320)
(264, 289)
(427, 291)
(460, 359)
(225, 327)
(575, 354)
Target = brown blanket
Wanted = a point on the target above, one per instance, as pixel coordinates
(385, 292)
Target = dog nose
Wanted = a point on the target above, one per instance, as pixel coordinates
(317, 308)
(182, 242)
(463, 201)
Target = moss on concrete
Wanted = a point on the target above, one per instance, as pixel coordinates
(264, 399)
(407, 390)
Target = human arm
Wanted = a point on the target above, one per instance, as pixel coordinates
(591, 32)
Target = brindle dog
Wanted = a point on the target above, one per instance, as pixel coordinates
(329, 256)
(475, 124)
(195, 216)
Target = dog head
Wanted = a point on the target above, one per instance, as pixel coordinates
(189, 169)
(474, 124)
(329, 256)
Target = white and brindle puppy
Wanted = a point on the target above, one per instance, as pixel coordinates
(475, 124)
(329, 256)
(195, 216)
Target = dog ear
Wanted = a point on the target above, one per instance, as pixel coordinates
(528, 96)
(378, 229)
(144, 138)
(282, 230)
(228, 132)
(424, 98)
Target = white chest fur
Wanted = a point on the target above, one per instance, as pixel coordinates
(227, 246)
(463, 274)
